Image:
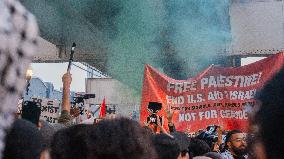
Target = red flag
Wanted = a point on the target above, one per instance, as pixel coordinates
(103, 109)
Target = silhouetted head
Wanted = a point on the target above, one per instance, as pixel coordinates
(23, 141)
(120, 138)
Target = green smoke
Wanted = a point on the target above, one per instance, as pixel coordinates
(180, 38)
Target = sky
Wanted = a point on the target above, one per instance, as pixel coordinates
(249, 60)
(53, 72)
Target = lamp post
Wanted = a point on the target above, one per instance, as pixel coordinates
(29, 74)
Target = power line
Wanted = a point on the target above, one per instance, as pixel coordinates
(100, 74)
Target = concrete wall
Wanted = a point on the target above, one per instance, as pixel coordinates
(257, 26)
(115, 93)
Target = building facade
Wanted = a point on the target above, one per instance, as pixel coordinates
(40, 89)
(119, 98)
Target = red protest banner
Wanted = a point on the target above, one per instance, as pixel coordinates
(217, 96)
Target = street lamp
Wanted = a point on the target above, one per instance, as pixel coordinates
(29, 74)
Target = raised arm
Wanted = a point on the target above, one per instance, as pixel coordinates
(66, 105)
(171, 125)
(66, 79)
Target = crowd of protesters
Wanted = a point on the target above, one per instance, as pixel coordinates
(117, 138)
(123, 138)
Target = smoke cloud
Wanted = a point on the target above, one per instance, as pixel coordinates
(180, 38)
